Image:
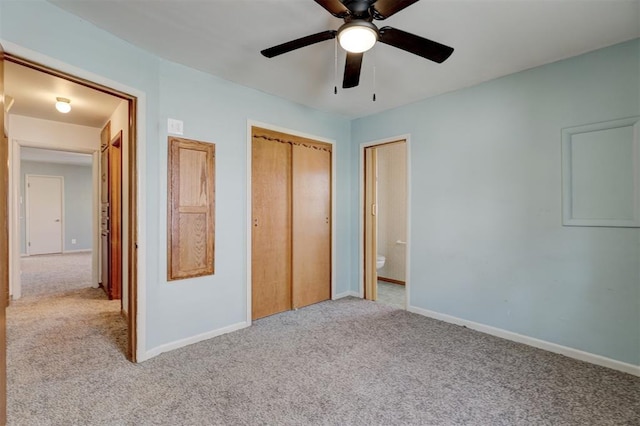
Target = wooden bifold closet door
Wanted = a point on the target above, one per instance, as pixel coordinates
(291, 222)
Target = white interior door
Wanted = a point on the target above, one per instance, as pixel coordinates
(44, 214)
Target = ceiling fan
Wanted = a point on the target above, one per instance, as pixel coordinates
(359, 34)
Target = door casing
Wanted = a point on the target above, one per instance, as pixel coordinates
(361, 263)
(249, 141)
(136, 144)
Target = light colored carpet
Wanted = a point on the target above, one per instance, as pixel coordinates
(347, 362)
(391, 294)
(55, 273)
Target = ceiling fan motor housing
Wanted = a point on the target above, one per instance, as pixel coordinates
(359, 8)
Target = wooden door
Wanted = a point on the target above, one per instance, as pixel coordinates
(271, 227)
(44, 214)
(311, 175)
(370, 224)
(4, 246)
(115, 217)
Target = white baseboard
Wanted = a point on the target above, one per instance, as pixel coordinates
(346, 294)
(189, 341)
(531, 341)
(77, 251)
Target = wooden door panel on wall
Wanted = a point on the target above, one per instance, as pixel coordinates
(271, 227)
(311, 167)
(191, 209)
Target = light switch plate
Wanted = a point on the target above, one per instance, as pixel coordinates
(175, 127)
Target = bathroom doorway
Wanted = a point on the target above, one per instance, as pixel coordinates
(385, 217)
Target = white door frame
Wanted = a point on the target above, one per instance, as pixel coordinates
(27, 200)
(15, 147)
(250, 124)
(141, 184)
(407, 139)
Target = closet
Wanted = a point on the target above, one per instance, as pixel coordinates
(291, 222)
(111, 212)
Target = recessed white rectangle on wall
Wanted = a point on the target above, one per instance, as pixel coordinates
(601, 174)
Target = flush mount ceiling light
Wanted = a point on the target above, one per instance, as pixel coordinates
(63, 105)
(357, 36)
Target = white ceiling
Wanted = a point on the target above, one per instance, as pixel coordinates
(491, 38)
(35, 93)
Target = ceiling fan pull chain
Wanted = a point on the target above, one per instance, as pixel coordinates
(335, 67)
(374, 75)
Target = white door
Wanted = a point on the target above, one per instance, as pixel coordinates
(44, 214)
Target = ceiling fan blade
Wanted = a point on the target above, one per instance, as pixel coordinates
(386, 8)
(334, 7)
(298, 43)
(352, 70)
(417, 45)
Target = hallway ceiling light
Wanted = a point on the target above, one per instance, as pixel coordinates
(63, 105)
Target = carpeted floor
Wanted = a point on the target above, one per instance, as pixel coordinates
(55, 273)
(347, 362)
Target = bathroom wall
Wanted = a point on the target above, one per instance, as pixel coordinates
(392, 209)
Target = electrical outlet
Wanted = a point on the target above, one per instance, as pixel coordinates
(73, 241)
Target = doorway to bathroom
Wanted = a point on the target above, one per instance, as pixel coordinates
(385, 216)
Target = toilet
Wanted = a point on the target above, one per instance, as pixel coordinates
(380, 259)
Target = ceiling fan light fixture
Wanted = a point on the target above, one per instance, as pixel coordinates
(357, 36)
(63, 105)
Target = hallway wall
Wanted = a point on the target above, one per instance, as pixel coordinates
(78, 192)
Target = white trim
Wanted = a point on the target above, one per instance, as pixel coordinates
(141, 160)
(532, 341)
(346, 294)
(568, 218)
(77, 251)
(407, 138)
(334, 155)
(191, 340)
(15, 146)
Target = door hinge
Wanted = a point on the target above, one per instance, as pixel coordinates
(29, 243)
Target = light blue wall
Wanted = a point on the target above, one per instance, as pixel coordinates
(216, 111)
(487, 244)
(78, 190)
(487, 241)
(213, 110)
